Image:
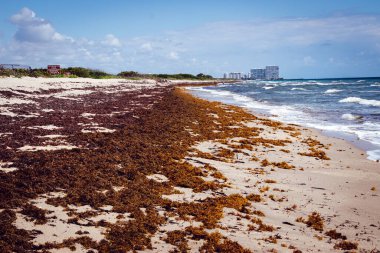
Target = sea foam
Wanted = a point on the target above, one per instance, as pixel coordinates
(349, 116)
(358, 121)
(360, 101)
(373, 155)
(332, 91)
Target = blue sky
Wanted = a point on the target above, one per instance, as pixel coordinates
(307, 39)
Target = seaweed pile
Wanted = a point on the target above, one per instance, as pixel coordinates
(153, 131)
(151, 138)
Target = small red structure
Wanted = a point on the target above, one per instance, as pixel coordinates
(54, 69)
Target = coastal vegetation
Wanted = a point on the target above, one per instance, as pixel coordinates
(73, 72)
(180, 76)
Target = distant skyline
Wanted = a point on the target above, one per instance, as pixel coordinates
(307, 39)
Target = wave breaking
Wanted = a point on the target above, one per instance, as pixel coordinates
(360, 101)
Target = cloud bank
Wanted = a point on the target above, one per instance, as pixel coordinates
(324, 46)
(33, 29)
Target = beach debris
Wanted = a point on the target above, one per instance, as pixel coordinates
(346, 245)
(333, 234)
(128, 171)
(314, 220)
(254, 197)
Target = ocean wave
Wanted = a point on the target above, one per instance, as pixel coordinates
(310, 83)
(225, 85)
(286, 113)
(268, 87)
(374, 155)
(360, 101)
(292, 84)
(298, 89)
(212, 91)
(375, 85)
(355, 124)
(236, 97)
(270, 83)
(326, 84)
(223, 94)
(370, 91)
(329, 91)
(252, 92)
(349, 116)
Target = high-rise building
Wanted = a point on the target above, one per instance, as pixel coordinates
(269, 73)
(234, 75)
(272, 72)
(258, 74)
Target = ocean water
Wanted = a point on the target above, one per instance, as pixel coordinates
(348, 108)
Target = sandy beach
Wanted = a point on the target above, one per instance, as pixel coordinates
(122, 165)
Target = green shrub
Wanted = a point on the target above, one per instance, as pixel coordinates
(78, 71)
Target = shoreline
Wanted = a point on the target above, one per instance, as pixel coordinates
(371, 149)
(352, 139)
(149, 167)
(352, 159)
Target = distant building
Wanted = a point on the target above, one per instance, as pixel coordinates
(225, 75)
(15, 66)
(272, 72)
(54, 69)
(269, 73)
(234, 75)
(258, 74)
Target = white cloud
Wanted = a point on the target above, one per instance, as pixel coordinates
(34, 29)
(146, 47)
(308, 60)
(266, 34)
(210, 48)
(112, 40)
(37, 43)
(26, 17)
(173, 55)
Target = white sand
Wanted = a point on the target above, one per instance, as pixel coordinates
(52, 136)
(158, 178)
(26, 89)
(30, 84)
(6, 167)
(98, 129)
(58, 228)
(47, 127)
(46, 148)
(339, 189)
